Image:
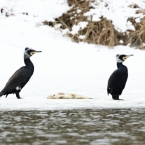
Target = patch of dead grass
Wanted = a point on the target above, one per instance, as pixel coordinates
(99, 32)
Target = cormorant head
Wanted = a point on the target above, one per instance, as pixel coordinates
(29, 52)
(122, 57)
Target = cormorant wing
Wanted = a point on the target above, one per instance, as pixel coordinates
(113, 76)
(19, 78)
(117, 81)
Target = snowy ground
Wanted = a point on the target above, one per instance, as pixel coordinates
(63, 66)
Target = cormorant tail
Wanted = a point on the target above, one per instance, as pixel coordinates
(1, 93)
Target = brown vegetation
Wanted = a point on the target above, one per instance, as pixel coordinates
(99, 32)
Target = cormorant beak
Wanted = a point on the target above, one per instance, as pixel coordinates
(37, 51)
(129, 55)
(34, 51)
(126, 56)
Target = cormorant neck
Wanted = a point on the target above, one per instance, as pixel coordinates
(119, 64)
(28, 63)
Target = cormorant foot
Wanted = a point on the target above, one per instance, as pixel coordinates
(119, 99)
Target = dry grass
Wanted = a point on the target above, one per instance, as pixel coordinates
(137, 38)
(99, 32)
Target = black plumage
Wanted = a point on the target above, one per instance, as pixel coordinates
(118, 78)
(20, 78)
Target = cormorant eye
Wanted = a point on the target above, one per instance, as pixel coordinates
(31, 53)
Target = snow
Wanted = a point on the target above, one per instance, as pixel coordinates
(117, 11)
(65, 66)
(76, 28)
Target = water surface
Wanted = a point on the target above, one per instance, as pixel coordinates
(73, 127)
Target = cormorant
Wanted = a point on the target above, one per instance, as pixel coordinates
(20, 78)
(118, 78)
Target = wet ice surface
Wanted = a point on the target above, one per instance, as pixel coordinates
(34, 94)
(106, 126)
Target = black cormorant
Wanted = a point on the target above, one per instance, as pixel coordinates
(19, 79)
(118, 78)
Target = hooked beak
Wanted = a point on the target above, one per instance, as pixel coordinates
(37, 51)
(129, 55)
(34, 51)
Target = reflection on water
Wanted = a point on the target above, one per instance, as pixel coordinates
(73, 127)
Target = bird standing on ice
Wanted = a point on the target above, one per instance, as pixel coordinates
(118, 78)
(20, 78)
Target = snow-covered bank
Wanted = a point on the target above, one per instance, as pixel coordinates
(64, 66)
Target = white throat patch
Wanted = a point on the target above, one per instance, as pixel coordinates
(26, 55)
(118, 60)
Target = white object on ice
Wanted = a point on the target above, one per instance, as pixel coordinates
(66, 96)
